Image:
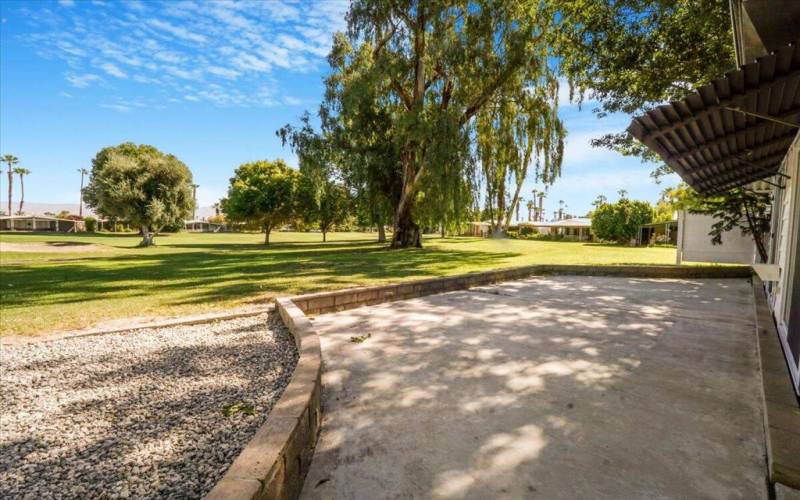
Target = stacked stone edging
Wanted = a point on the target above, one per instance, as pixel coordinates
(275, 461)
(325, 302)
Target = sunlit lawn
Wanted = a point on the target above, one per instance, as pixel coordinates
(189, 273)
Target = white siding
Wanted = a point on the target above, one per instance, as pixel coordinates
(694, 243)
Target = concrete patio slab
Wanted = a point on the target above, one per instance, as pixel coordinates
(551, 387)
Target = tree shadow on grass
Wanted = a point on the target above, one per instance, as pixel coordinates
(230, 272)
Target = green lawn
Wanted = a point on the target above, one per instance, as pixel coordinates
(109, 277)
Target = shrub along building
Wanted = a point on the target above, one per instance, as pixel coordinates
(745, 127)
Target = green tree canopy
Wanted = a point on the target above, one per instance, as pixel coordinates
(632, 55)
(620, 221)
(263, 193)
(140, 184)
(323, 204)
(423, 71)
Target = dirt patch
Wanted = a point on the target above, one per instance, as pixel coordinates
(51, 247)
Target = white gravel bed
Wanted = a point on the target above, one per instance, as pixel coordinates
(139, 414)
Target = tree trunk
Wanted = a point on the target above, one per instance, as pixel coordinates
(381, 232)
(21, 193)
(147, 237)
(406, 232)
(324, 236)
(267, 229)
(80, 205)
(10, 191)
(514, 202)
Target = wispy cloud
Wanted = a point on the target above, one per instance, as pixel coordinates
(113, 70)
(225, 49)
(177, 31)
(82, 81)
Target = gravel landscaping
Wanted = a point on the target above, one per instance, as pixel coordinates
(141, 414)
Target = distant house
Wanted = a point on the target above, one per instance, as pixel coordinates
(40, 223)
(578, 228)
(203, 226)
(658, 232)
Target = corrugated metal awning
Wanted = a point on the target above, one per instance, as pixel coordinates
(733, 131)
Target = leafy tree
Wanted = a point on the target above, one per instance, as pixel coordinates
(632, 55)
(10, 160)
(426, 69)
(620, 221)
(263, 193)
(142, 185)
(513, 132)
(323, 204)
(665, 208)
(21, 172)
(321, 199)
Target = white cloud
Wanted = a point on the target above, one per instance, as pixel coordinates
(177, 31)
(165, 45)
(113, 70)
(292, 101)
(249, 62)
(117, 107)
(82, 81)
(228, 73)
(66, 3)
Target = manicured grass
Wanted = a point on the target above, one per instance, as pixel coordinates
(193, 272)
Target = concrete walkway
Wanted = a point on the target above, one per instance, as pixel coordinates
(556, 387)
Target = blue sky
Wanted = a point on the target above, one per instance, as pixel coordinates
(208, 82)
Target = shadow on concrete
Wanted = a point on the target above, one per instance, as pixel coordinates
(558, 387)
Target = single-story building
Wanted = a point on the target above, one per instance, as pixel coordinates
(202, 226)
(665, 232)
(578, 228)
(40, 223)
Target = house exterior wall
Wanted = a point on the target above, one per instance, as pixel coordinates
(694, 243)
(784, 247)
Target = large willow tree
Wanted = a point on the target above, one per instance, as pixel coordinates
(513, 133)
(414, 74)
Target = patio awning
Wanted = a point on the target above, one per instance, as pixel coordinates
(733, 131)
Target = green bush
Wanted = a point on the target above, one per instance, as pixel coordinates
(91, 224)
(620, 221)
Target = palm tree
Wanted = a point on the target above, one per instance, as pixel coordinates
(194, 196)
(11, 160)
(83, 172)
(531, 206)
(22, 172)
